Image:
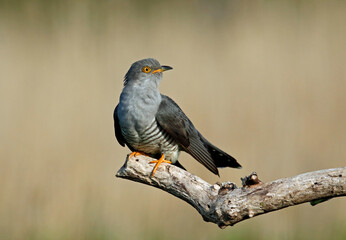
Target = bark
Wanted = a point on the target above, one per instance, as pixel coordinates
(224, 203)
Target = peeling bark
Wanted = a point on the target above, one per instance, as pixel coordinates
(224, 203)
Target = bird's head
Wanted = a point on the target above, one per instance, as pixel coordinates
(144, 71)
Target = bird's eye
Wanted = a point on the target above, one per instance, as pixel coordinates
(146, 69)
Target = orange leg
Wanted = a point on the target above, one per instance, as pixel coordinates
(135, 154)
(158, 162)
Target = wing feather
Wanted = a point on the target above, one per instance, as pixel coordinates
(174, 121)
(117, 128)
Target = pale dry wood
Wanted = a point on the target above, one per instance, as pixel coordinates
(224, 203)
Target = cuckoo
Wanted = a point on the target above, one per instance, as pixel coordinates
(152, 124)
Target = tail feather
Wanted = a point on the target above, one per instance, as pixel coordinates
(209, 155)
(221, 158)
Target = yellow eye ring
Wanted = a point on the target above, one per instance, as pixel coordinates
(146, 69)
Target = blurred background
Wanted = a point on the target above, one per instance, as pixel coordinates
(263, 80)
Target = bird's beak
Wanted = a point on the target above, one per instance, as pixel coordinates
(162, 69)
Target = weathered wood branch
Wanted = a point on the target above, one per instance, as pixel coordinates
(224, 203)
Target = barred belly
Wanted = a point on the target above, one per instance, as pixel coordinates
(153, 140)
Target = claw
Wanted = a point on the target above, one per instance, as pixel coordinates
(158, 162)
(135, 154)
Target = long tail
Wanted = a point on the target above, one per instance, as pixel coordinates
(209, 155)
(221, 159)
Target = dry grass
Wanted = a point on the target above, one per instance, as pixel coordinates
(263, 80)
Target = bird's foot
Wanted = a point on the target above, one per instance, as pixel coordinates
(158, 162)
(135, 154)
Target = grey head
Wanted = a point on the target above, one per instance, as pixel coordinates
(145, 70)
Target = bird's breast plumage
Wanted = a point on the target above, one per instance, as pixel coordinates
(136, 113)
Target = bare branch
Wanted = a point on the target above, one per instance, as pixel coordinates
(224, 203)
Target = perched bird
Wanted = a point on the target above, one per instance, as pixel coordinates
(153, 124)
